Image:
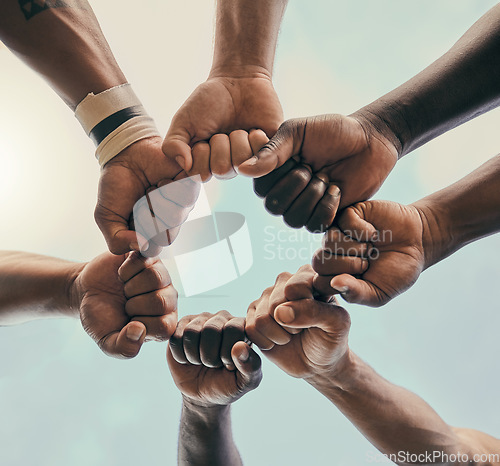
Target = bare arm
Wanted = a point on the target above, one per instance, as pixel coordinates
(35, 287)
(63, 42)
(460, 85)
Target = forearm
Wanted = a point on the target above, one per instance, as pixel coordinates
(393, 419)
(462, 84)
(35, 287)
(246, 35)
(63, 44)
(205, 436)
(461, 213)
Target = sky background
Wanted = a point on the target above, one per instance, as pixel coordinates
(62, 402)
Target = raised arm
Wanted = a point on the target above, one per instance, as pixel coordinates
(237, 97)
(356, 153)
(121, 301)
(309, 339)
(212, 366)
(378, 249)
(63, 42)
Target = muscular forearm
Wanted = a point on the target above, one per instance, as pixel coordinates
(246, 34)
(462, 84)
(393, 419)
(205, 436)
(35, 287)
(461, 213)
(64, 44)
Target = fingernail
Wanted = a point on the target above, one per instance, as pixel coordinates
(180, 160)
(251, 161)
(244, 355)
(286, 314)
(134, 333)
(333, 190)
(340, 289)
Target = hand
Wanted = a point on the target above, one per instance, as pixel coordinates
(124, 183)
(215, 114)
(209, 360)
(304, 337)
(124, 301)
(376, 252)
(343, 160)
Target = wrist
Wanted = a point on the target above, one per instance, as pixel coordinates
(335, 376)
(74, 290)
(207, 412)
(437, 236)
(234, 69)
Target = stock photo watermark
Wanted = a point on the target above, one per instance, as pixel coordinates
(432, 457)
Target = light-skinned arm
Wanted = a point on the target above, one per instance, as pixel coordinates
(356, 153)
(309, 339)
(213, 367)
(232, 114)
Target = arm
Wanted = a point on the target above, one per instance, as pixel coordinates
(378, 249)
(356, 153)
(35, 287)
(309, 339)
(212, 366)
(121, 301)
(64, 43)
(208, 133)
(459, 86)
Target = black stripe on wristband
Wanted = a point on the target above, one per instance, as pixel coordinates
(104, 128)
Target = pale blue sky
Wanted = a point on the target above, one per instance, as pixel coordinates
(64, 403)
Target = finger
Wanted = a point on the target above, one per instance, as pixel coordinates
(155, 303)
(300, 284)
(283, 145)
(220, 157)
(322, 287)
(303, 207)
(352, 223)
(133, 264)
(337, 243)
(211, 339)
(201, 161)
(159, 328)
(254, 335)
(358, 291)
(308, 313)
(177, 148)
(267, 327)
(263, 185)
(248, 364)
(325, 211)
(176, 344)
(167, 213)
(147, 280)
(119, 238)
(144, 221)
(325, 263)
(126, 343)
(183, 192)
(151, 249)
(192, 336)
(234, 331)
(257, 139)
(286, 190)
(241, 150)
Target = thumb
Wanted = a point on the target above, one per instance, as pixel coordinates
(283, 145)
(119, 238)
(353, 224)
(125, 344)
(248, 365)
(358, 291)
(308, 313)
(176, 147)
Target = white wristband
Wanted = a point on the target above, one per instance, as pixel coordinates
(114, 119)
